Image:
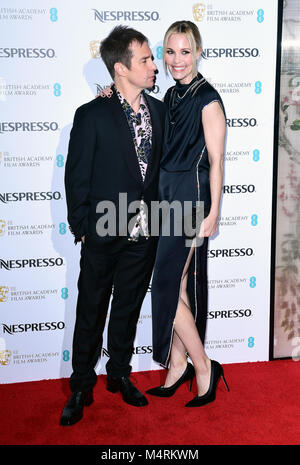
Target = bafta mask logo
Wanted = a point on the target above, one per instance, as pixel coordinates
(198, 11)
(2, 228)
(95, 48)
(3, 293)
(5, 356)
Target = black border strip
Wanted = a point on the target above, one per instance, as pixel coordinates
(275, 179)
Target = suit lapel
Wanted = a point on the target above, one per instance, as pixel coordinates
(126, 141)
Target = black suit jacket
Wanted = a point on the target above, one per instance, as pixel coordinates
(102, 161)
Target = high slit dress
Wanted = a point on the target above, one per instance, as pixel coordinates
(184, 176)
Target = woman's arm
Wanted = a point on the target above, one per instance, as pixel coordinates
(214, 125)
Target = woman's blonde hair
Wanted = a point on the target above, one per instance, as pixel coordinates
(193, 35)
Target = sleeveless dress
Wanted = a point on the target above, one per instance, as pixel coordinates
(184, 176)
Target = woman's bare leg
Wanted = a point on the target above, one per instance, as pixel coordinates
(186, 339)
(189, 336)
(178, 361)
(178, 357)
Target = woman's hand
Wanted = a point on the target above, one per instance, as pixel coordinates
(106, 92)
(209, 226)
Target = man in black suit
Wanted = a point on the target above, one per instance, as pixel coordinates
(115, 147)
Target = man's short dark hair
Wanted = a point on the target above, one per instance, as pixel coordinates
(116, 47)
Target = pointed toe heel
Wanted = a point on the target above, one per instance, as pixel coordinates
(161, 391)
(215, 374)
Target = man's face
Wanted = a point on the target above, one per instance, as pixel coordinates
(141, 74)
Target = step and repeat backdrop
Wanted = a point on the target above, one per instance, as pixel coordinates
(287, 264)
(50, 65)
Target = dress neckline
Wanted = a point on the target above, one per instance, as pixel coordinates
(181, 90)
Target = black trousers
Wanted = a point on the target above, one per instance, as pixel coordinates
(123, 272)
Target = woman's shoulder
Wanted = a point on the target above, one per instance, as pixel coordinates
(205, 89)
(205, 93)
(168, 94)
(156, 101)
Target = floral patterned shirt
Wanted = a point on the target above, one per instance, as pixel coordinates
(141, 131)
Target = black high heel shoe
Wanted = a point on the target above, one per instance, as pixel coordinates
(210, 395)
(161, 391)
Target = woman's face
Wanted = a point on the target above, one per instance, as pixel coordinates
(179, 58)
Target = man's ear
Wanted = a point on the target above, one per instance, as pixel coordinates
(120, 69)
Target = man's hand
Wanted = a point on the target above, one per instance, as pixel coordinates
(83, 239)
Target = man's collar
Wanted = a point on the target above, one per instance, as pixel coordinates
(127, 104)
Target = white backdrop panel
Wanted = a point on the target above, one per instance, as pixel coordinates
(50, 65)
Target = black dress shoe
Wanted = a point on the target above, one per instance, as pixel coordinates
(73, 410)
(131, 395)
(162, 391)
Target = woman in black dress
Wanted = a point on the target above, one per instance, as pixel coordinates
(191, 170)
